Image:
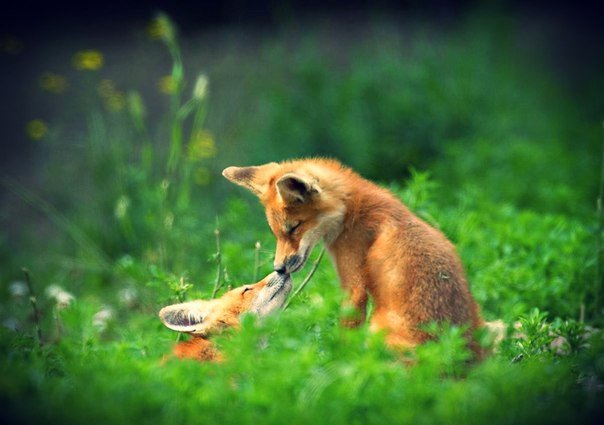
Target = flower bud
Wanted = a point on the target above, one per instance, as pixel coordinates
(201, 87)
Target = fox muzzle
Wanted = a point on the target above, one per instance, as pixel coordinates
(291, 264)
(273, 295)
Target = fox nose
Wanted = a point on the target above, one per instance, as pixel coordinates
(288, 264)
(280, 268)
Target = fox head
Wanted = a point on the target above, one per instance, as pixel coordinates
(302, 205)
(208, 317)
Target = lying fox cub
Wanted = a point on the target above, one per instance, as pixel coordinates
(204, 318)
(380, 248)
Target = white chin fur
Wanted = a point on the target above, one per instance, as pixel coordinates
(328, 229)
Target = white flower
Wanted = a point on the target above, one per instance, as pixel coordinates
(11, 323)
(53, 290)
(560, 346)
(102, 318)
(121, 207)
(169, 221)
(62, 298)
(18, 289)
(128, 297)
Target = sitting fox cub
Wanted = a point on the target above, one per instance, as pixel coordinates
(203, 319)
(379, 247)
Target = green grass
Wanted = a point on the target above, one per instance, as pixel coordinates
(125, 221)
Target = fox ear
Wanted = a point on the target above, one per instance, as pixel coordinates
(254, 178)
(295, 188)
(185, 317)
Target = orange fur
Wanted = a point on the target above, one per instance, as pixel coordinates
(197, 348)
(203, 318)
(379, 247)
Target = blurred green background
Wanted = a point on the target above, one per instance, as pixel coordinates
(485, 120)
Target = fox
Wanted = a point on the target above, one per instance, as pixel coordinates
(380, 249)
(204, 318)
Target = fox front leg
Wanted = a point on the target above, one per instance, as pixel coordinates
(354, 307)
(354, 282)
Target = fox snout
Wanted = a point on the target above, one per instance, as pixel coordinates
(273, 295)
(290, 264)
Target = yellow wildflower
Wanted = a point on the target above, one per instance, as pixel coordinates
(88, 60)
(53, 83)
(113, 98)
(166, 84)
(161, 28)
(106, 88)
(36, 129)
(202, 176)
(201, 146)
(116, 102)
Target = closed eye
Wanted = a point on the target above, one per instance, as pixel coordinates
(292, 229)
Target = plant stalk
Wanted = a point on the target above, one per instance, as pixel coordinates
(219, 273)
(34, 305)
(256, 260)
(306, 279)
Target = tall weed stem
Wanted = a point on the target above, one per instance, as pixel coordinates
(256, 260)
(34, 305)
(218, 258)
(306, 279)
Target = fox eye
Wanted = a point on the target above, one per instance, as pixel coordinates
(292, 228)
(247, 288)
